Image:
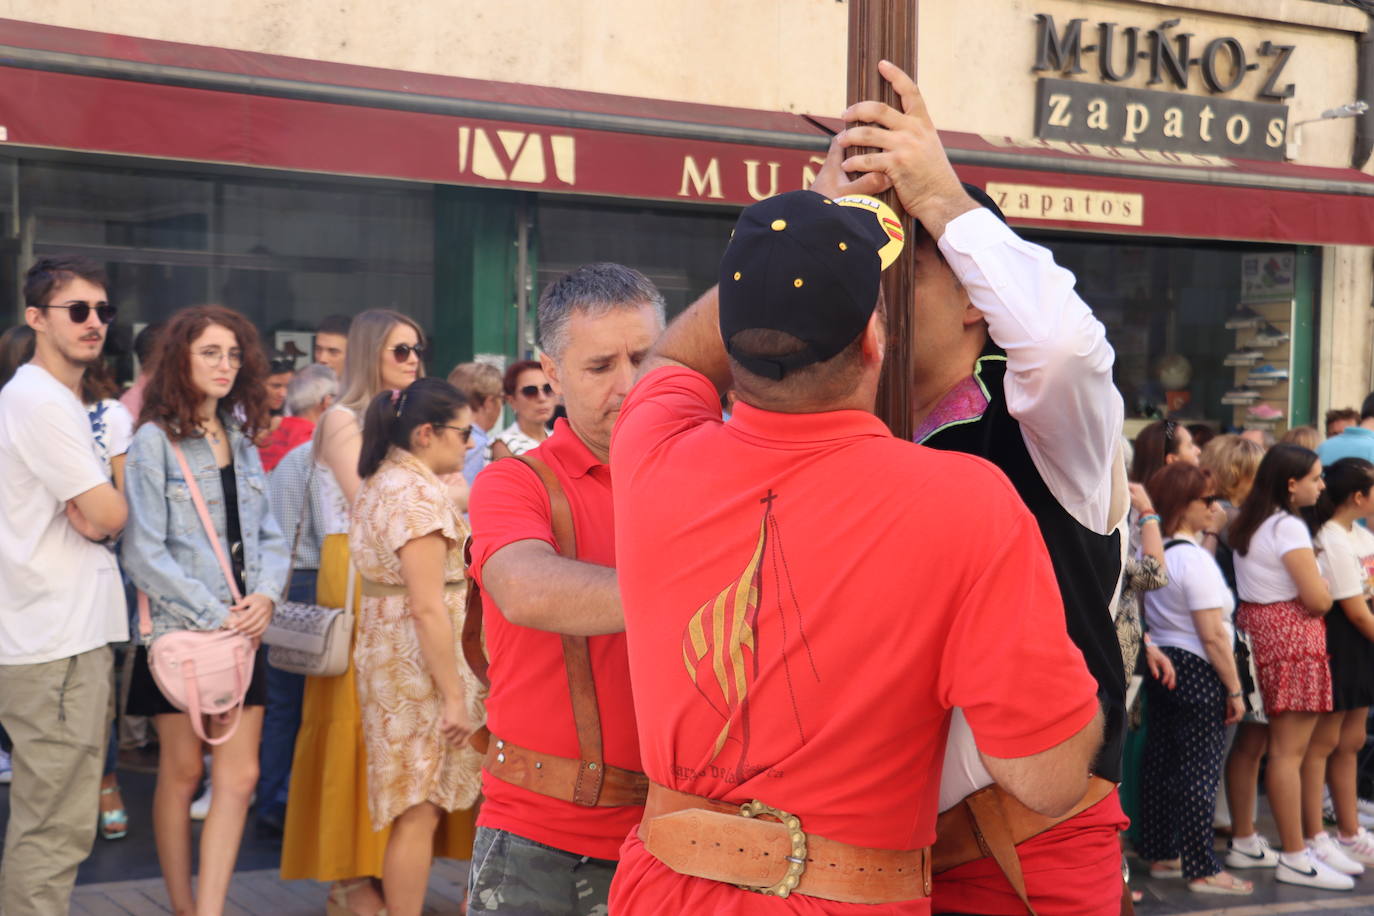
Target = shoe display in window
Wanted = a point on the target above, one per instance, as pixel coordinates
(1270, 336)
(1243, 318)
(1264, 412)
(1241, 395)
(1267, 375)
(1243, 358)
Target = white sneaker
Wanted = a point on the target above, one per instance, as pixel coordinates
(1324, 849)
(1360, 847)
(6, 769)
(1250, 852)
(1303, 869)
(200, 808)
(1365, 809)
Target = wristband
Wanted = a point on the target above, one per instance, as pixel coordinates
(1235, 696)
(1147, 518)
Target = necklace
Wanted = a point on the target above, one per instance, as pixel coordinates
(213, 434)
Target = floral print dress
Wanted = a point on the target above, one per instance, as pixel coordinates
(408, 761)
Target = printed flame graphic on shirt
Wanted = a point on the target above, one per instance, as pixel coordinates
(721, 646)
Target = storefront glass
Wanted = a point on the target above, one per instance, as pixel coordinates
(1167, 305)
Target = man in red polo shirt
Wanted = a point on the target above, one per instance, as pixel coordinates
(555, 781)
(806, 598)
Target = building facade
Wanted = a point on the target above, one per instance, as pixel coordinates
(299, 160)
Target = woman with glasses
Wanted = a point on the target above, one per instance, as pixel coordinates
(205, 397)
(328, 835)
(1345, 555)
(1190, 622)
(1283, 598)
(530, 395)
(420, 701)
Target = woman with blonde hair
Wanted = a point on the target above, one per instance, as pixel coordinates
(1306, 436)
(328, 835)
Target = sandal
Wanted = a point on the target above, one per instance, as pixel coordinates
(337, 902)
(1167, 868)
(114, 824)
(1221, 883)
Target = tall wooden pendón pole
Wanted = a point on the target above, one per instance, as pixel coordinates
(886, 30)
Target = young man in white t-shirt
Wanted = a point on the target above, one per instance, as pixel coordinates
(61, 601)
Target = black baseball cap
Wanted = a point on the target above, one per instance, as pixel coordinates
(808, 266)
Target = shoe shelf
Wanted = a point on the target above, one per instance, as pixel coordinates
(1262, 340)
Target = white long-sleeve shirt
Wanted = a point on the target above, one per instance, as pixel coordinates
(1058, 386)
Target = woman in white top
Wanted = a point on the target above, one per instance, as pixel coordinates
(325, 840)
(1345, 554)
(1190, 622)
(1283, 598)
(530, 395)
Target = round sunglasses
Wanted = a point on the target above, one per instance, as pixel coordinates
(402, 352)
(80, 311)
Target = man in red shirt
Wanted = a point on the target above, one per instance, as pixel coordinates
(546, 841)
(806, 598)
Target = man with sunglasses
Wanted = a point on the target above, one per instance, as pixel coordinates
(61, 600)
(561, 782)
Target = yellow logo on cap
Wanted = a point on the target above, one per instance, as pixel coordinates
(887, 221)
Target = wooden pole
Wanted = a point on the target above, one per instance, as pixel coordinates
(886, 30)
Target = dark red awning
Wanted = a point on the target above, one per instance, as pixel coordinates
(71, 90)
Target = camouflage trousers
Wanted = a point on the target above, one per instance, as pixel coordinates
(513, 875)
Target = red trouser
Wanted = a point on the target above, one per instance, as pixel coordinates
(1072, 869)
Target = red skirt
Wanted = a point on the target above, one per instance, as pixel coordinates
(1289, 645)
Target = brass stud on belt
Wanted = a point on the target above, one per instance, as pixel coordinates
(591, 766)
(500, 758)
(538, 765)
(500, 743)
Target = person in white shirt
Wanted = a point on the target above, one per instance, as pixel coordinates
(1010, 364)
(61, 599)
(1190, 621)
(531, 397)
(1345, 555)
(1283, 598)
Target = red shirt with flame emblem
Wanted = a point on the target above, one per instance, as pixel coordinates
(529, 702)
(806, 598)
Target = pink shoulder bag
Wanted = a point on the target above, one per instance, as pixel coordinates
(204, 673)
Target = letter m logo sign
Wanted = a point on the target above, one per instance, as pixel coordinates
(524, 157)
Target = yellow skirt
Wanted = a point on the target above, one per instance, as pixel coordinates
(329, 835)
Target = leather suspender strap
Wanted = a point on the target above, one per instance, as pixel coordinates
(591, 772)
(576, 658)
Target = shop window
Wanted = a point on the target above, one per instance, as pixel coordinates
(1167, 307)
(284, 251)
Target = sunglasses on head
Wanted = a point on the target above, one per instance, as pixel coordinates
(531, 391)
(80, 311)
(402, 352)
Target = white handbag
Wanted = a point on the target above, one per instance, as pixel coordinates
(306, 638)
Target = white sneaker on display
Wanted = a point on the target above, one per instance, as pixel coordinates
(1360, 847)
(1300, 868)
(1250, 852)
(6, 769)
(1324, 849)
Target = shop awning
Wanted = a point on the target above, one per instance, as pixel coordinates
(72, 90)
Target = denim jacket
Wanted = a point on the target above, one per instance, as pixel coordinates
(165, 551)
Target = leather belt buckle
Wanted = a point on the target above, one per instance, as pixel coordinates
(796, 861)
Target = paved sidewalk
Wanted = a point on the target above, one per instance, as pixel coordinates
(255, 893)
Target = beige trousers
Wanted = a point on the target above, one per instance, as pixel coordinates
(56, 714)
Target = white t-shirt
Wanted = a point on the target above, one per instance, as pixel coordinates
(1341, 558)
(60, 594)
(1261, 577)
(1195, 584)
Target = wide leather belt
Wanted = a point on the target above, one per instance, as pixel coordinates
(967, 831)
(565, 778)
(726, 842)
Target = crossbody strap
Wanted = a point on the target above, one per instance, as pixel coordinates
(576, 657)
(145, 619)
